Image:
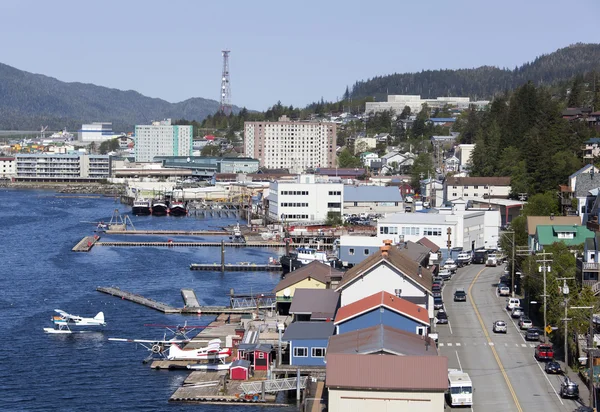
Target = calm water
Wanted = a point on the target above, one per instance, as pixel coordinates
(39, 273)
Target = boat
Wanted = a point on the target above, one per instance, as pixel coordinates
(309, 254)
(302, 256)
(237, 234)
(177, 208)
(141, 207)
(160, 207)
(210, 366)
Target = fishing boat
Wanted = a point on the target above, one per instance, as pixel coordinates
(141, 207)
(177, 208)
(302, 256)
(160, 207)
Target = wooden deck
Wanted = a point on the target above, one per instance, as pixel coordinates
(194, 244)
(216, 267)
(170, 232)
(86, 244)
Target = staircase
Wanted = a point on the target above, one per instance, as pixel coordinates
(273, 385)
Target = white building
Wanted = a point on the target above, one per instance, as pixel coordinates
(364, 143)
(463, 151)
(162, 139)
(62, 167)
(368, 157)
(287, 144)
(397, 102)
(307, 199)
(474, 188)
(8, 167)
(96, 132)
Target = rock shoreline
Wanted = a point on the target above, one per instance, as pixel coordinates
(82, 188)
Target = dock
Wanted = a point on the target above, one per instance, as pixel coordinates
(239, 267)
(194, 244)
(170, 232)
(86, 244)
(189, 298)
(132, 297)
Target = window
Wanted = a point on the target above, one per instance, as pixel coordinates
(366, 252)
(453, 194)
(351, 251)
(261, 355)
(421, 330)
(300, 352)
(476, 194)
(335, 193)
(318, 352)
(475, 187)
(465, 187)
(334, 205)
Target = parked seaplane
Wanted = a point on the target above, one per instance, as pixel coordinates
(65, 322)
(170, 349)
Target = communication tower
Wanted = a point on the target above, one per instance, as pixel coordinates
(225, 86)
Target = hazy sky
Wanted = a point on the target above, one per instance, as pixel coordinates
(296, 52)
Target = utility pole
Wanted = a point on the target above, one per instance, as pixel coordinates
(512, 261)
(565, 291)
(590, 352)
(544, 268)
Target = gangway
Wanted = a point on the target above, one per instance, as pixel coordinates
(273, 385)
(261, 301)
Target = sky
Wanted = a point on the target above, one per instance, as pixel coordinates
(293, 52)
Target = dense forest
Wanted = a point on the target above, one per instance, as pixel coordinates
(483, 82)
(523, 134)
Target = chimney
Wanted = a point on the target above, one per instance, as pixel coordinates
(386, 248)
(420, 271)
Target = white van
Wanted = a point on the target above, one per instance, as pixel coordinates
(460, 388)
(512, 303)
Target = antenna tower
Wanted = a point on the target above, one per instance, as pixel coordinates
(225, 86)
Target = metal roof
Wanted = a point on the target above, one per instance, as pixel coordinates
(392, 373)
(382, 339)
(547, 234)
(320, 303)
(586, 182)
(316, 270)
(308, 330)
(372, 194)
(534, 221)
(415, 218)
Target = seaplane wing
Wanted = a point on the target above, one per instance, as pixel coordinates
(147, 341)
(67, 315)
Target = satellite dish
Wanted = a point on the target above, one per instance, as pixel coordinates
(287, 292)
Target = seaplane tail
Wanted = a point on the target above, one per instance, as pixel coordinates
(100, 318)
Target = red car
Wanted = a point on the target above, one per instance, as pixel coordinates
(544, 351)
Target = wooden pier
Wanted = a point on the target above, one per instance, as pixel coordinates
(86, 244)
(239, 267)
(193, 244)
(132, 297)
(170, 232)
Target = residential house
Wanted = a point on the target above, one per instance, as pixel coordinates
(442, 121)
(382, 339)
(315, 275)
(443, 139)
(534, 221)
(364, 143)
(311, 305)
(354, 249)
(591, 149)
(397, 162)
(468, 188)
(385, 309)
(588, 265)
(382, 137)
(367, 158)
(390, 271)
(391, 383)
(570, 235)
(371, 199)
(432, 191)
(452, 164)
(586, 191)
(308, 342)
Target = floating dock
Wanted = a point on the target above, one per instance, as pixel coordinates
(132, 297)
(189, 298)
(170, 232)
(86, 244)
(193, 244)
(240, 267)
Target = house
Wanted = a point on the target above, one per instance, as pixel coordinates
(534, 221)
(368, 157)
(371, 199)
(588, 265)
(443, 139)
(474, 187)
(442, 121)
(258, 354)
(354, 249)
(432, 191)
(586, 191)
(314, 305)
(364, 143)
(308, 342)
(386, 383)
(382, 308)
(570, 235)
(452, 164)
(392, 271)
(382, 340)
(315, 275)
(417, 252)
(239, 370)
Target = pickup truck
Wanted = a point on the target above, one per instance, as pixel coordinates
(544, 351)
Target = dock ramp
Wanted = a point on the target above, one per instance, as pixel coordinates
(273, 385)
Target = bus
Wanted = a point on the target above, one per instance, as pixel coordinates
(460, 388)
(479, 256)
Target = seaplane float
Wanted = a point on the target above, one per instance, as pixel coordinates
(67, 323)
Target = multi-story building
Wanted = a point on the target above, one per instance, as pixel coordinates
(8, 167)
(287, 144)
(62, 167)
(162, 139)
(304, 199)
(475, 188)
(464, 156)
(397, 102)
(96, 132)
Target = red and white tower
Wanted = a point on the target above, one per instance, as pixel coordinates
(225, 86)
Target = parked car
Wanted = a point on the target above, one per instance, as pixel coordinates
(445, 274)
(438, 303)
(436, 287)
(553, 367)
(569, 389)
(504, 290)
(499, 327)
(442, 317)
(450, 265)
(517, 312)
(512, 302)
(532, 334)
(544, 351)
(460, 295)
(525, 322)
(437, 294)
(438, 279)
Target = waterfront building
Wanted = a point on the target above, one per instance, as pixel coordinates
(162, 139)
(397, 102)
(8, 167)
(371, 199)
(314, 305)
(308, 342)
(294, 145)
(47, 167)
(96, 132)
(207, 166)
(305, 199)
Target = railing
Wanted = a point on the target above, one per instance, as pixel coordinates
(273, 385)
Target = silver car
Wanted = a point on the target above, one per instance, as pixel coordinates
(499, 327)
(517, 312)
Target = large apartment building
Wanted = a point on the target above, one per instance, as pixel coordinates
(162, 139)
(49, 167)
(287, 144)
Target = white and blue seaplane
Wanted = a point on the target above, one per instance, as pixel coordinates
(67, 323)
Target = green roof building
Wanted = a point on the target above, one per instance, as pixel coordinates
(570, 235)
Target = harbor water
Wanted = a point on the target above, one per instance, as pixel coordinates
(40, 273)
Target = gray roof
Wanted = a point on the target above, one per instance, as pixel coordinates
(308, 330)
(320, 303)
(241, 362)
(582, 170)
(382, 339)
(415, 251)
(372, 193)
(416, 218)
(585, 183)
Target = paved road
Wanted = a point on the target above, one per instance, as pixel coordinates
(505, 375)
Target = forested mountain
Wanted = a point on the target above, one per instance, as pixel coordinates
(28, 101)
(483, 82)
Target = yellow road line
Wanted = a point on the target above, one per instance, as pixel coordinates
(492, 347)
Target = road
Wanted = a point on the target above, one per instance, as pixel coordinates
(505, 374)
